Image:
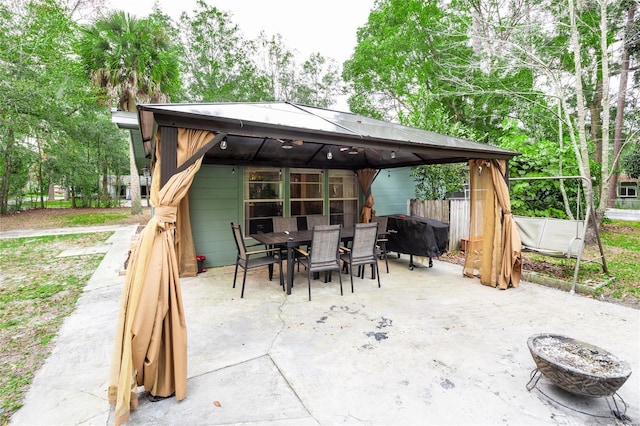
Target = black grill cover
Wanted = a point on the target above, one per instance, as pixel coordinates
(417, 236)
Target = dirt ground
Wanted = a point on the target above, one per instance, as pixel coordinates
(48, 218)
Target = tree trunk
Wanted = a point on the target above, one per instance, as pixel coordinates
(105, 199)
(605, 170)
(622, 91)
(39, 176)
(6, 171)
(581, 147)
(52, 188)
(595, 129)
(563, 191)
(134, 182)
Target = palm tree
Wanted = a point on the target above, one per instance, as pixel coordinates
(133, 61)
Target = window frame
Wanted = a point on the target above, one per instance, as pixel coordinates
(249, 179)
(351, 196)
(626, 188)
(301, 184)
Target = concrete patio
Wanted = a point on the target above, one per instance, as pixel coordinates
(429, 347)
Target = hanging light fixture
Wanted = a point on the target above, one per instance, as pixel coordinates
(223, 143)
(393, 154)
(329, 155)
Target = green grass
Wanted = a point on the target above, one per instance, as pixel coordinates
(49, 204)
(38, 290)
(621, 240)
(34, 203)
(87, 219)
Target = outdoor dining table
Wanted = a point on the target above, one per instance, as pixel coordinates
(291, 239)
(294, 239)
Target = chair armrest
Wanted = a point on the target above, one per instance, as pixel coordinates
(253, 244)
(301, 251)
(249, 253)
(344, 249)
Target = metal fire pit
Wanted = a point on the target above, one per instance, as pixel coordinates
(578, 367)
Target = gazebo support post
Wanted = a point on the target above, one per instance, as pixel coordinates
(169, 152)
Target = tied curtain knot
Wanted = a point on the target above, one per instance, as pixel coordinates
(166, 214)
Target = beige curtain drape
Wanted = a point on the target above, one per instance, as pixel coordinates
(493, 250)
(365, 180)
(150, 347)
(484, 233)
(511, 268)
(189, 142)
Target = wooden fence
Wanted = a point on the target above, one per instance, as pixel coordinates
(455, 212)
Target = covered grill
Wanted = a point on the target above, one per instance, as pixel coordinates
(417, 236)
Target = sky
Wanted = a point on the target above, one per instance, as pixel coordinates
(327, 27)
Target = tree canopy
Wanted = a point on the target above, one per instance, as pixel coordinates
(530, 76)
(42, 102)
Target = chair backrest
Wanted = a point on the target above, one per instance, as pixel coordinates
(365, 236)
(260, 225)
(382, 222)
(325, 242)
(281, 224)
(316, 220)
(239, 239)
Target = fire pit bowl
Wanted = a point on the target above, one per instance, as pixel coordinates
(578, 367)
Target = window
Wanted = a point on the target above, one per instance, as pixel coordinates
(343, 197)
(628, 190)
(306, 192)
(263, 198)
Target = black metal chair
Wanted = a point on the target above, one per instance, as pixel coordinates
(324, 253)
(254, 259)
(381, 244)
(363, 250)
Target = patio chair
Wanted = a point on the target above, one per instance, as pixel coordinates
(381, 243)
(254, 259)
(324, 254)
(316, 220)
(363, 249)
(285, 224)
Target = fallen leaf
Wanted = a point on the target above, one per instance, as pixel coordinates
(217, 403)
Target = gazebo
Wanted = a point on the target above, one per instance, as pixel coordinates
(179, 138)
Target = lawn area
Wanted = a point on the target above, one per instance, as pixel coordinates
(38, 290)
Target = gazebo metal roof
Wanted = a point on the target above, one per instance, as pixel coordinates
(285, 134)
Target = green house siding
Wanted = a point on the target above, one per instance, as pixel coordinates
(391, 190)
(215, 200)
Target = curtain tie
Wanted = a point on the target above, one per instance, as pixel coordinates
(166, 214)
